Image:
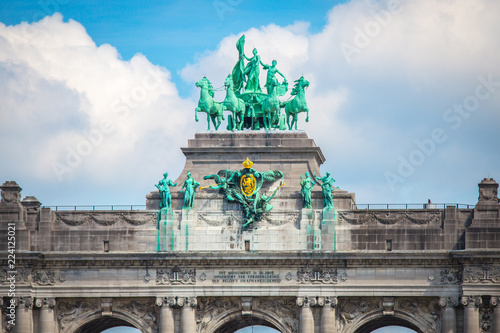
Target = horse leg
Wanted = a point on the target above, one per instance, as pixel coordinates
(196, 114)
(208, 121)
(216, 120)
(307, 118)
(296, 119)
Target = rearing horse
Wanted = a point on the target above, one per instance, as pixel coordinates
(234, 104)
(271, 105)
(298, 104)
(207, 104)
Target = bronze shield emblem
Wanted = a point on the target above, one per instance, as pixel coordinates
(248, 183)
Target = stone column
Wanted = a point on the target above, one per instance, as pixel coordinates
(328, 314)
(448, 314)
(167, 323)
(188, 320)
(306, 324)
(46, 321)
(24, 316)
(471, 313)
(495, 322)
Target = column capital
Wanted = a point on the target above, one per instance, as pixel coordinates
(45, 302)
(495, 300)
(165, 301)
(26, 301)
(328, 301)
(446, 302)
(306, 301)
(187, 301)
(471, 300)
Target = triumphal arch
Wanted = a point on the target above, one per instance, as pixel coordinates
(250, 233)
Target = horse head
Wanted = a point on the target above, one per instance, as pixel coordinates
(203, 83)
(228, 83)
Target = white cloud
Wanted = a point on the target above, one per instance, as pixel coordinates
(76, 113)
(406, 63)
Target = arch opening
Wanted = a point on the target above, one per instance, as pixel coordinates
(387, 322)
(257, 329)
(243, 322)
(102, 324)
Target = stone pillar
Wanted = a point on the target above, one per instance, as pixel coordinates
(471, 313)
(167, 323)
(448, 314)
(46, 321)
(188, 320)
(24, 316)
(306, 324)
(495, 322)
(328, 314)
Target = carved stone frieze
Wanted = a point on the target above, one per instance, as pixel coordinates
(23, 275)
(278, 219)
(450, 276)
(481, 274)
(175, 276)
(216, 220)
(70, 311)
(283, 309)
(44, 278)
(210, 309)
(143, 309)
(320, 276)
(426, 310)
(74, 219)
(352, 308)
(389, 218)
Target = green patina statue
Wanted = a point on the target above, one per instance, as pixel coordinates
(327, 187)
(250, 107)
(297, 104)
(243, 186)
(307, 184)
(189, 189)
(208, 105)
(165, 196)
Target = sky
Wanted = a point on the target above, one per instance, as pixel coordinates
(262, 329)
(98, 97)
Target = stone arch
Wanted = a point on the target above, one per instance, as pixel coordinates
(231, 322)
(376, 319)
(95, 322)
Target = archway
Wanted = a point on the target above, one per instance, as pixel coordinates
(257, 329)
(387, 321)
(232, 322)
(122, 329)
(393, 329)
(96, 323)
(242, 322)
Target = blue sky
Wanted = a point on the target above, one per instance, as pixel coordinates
(262, 329)
(97, 97)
